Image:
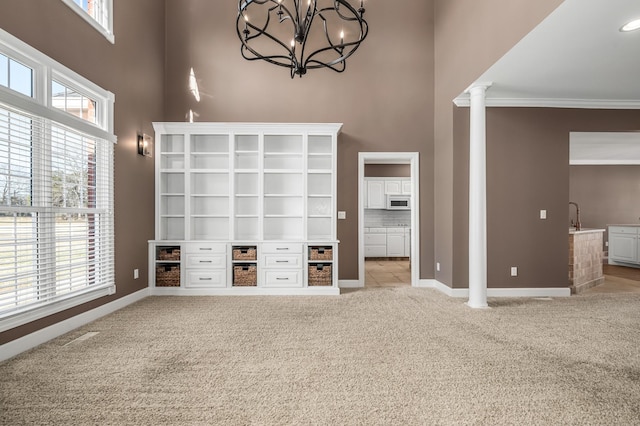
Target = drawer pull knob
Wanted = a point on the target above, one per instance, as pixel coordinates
(282, 261)
(206, 261)
(282, 248)
(205, 248)
(282, 279)
(205, 279)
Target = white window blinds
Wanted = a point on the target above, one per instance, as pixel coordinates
(56, 212)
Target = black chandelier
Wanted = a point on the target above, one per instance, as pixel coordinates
(301, 34)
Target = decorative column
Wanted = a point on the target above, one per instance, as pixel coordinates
(477, 198)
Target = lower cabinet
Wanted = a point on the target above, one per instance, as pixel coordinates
(624, 245)
(395, 242)
(205, 265)
(281, 267)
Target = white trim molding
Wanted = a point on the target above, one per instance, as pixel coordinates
(15, 347)
(464, 101)
(350, 284)
(497, 292)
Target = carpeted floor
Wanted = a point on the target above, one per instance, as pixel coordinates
(380, 356)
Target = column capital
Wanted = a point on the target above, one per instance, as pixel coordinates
(478, 86)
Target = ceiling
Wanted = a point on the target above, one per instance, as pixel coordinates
(576, 57)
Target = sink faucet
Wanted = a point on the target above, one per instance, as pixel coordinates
(578, 225)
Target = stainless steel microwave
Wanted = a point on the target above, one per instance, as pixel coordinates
(398, 202)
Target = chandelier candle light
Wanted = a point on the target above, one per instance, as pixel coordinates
(301, 34)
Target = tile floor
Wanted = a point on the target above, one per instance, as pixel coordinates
(387, 273)
(618, 279)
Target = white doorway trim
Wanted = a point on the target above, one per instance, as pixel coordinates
(411, 158)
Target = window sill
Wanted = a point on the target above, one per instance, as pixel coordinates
(13, 320)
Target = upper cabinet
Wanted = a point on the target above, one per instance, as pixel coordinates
(246, 181)
(377, 189)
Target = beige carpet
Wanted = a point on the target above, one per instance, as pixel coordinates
(380, 356)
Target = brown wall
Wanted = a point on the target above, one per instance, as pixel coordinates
(469, 37)
(527, 171)
(387, 170)
(384, 99)
(606, 195)
(132, 70)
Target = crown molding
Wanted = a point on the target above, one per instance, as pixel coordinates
(463, 101)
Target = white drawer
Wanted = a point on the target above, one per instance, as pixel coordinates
(283, 248)
(632, 230)
(395, 230)
(375, 239)
(205, 248)
(377, 230)
(213, 261)
(284, 278)
(375, 251)
(215, 278)
(282, 261)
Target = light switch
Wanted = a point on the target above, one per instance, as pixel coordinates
(514, 271)
(342, 215)
(543, 214)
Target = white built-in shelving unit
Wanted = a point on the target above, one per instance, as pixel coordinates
(249, 184)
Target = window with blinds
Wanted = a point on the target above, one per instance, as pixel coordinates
(56, 199)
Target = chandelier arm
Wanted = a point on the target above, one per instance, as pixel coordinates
(262, 32)
(314, 64)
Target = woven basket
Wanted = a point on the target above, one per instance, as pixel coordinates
(320, 275)
(244, 253)
(245, 275)
(320, 253)
(168, 253)
(168, 276)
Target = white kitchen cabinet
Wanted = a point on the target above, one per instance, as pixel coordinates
(376, 194)
(406, 187)
(395, 242)
(375, 242)
(623, 244)
(407, 242)
(392, 187)
(237, 184)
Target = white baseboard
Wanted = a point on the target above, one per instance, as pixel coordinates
(15, 347)
(529, 292)
(498, 292)
(350, 284)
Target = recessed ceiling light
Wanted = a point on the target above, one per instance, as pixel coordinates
(631, 26)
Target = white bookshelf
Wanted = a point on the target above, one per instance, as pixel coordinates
(248, 183)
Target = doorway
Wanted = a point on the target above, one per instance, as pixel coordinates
(398, 266)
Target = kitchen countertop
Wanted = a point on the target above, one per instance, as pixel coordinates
(624, 224)
(585, 230)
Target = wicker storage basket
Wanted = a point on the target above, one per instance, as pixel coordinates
(245, 275)
(320, 275)
(244, 253)
(320, 253)
(168, 276)
(168, 253)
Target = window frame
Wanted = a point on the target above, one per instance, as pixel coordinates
(106, 31)
(45, 70)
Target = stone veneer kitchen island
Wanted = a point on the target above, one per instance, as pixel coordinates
(585, 259)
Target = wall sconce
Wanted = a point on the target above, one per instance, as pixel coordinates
(144, 144)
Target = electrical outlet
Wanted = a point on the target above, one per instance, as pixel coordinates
(606, 243)
(342, 215)
(438, 266)
(136, 274)
(514, 271)
(543, 214)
